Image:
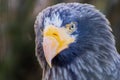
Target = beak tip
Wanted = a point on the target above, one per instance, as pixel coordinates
(49, 63)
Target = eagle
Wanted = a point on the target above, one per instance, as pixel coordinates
(74, 41)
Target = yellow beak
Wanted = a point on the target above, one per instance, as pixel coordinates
(55, 39)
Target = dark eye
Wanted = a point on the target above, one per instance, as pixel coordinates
(71, 27)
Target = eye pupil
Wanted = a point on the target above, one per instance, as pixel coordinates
(72, 26)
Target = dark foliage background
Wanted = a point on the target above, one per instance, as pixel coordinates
(17, 46)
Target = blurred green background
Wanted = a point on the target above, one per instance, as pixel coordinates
(17, 45)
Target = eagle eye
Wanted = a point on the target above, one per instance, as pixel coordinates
(71, 27)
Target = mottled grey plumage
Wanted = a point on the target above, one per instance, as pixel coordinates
(96, 57)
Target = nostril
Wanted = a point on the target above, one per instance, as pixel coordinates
(55, 34)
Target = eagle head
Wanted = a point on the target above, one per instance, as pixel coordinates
(75, 39)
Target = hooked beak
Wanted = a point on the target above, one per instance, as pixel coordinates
(55, 39)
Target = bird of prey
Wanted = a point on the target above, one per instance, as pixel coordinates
(74, 41)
